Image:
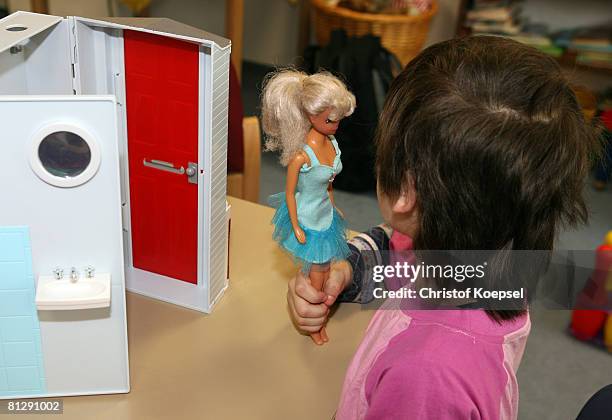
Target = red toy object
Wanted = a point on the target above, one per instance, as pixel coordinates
(162, 122)
(588, 324)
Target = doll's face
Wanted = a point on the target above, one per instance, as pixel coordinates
(323, 123)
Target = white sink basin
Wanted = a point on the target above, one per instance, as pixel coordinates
(52, 294)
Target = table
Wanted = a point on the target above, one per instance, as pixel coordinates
(243, 361)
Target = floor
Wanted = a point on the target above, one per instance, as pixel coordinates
(558, 374)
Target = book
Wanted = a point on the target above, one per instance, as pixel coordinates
(499, 14)
(594, 63)
(595, 56)
(532, 39)
(506, 28)
(596, 36)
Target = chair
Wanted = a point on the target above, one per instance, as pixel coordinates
(245, 184)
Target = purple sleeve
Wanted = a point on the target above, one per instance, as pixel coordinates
(418, 391)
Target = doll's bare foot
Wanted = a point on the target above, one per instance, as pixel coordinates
(316, 337)
(324, 335)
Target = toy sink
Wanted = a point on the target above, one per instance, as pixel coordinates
(64, 294)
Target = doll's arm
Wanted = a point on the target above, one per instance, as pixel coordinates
(293, 172)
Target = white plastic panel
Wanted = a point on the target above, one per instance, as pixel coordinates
(84, 351)
(94, 61)
(12, 74)
(48, 63)
(32, 24)
(217, 172)
(167, 289)
(40, 65)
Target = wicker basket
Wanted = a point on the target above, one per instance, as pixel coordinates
(403, 35)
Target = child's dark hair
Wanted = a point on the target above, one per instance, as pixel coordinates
(494, 140)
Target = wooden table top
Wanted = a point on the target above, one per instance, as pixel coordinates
(243, 361)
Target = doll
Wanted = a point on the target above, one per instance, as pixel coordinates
(300, 115)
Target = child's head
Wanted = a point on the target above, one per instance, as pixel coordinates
(482, 145)
(291, 103)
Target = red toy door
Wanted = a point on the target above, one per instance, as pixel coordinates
(161, 76)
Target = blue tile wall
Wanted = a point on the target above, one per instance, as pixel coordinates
(21, 361)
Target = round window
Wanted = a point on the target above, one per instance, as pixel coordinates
(64, 155)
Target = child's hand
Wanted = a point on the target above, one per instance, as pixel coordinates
(306, 304)
(340, 276)
(299, 234)
(308, 307)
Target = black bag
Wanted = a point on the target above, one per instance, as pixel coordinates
(367, 69)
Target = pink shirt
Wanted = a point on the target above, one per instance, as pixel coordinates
(439, 364)
(436, 364)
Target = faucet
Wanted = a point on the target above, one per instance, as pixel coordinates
(58, 273)
(74, 275)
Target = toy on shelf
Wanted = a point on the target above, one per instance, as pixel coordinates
(590, 324)
(300, 115)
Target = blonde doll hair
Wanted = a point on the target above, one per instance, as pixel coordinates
(289, 97)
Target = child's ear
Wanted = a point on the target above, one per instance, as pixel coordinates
(406, 202)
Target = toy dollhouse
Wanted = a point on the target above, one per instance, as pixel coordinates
(114, 177)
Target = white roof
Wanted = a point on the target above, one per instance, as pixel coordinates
(160, 26)
(20, 26)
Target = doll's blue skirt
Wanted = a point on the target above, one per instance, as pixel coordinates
(322, 246)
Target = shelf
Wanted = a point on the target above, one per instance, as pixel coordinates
(568, 59)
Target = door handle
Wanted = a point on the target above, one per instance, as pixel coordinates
(163, 166)
(191, 171)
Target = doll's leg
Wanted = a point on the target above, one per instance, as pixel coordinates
(319, 273)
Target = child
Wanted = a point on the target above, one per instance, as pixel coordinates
(481, 145)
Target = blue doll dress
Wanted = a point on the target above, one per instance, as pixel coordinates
(323, 226)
